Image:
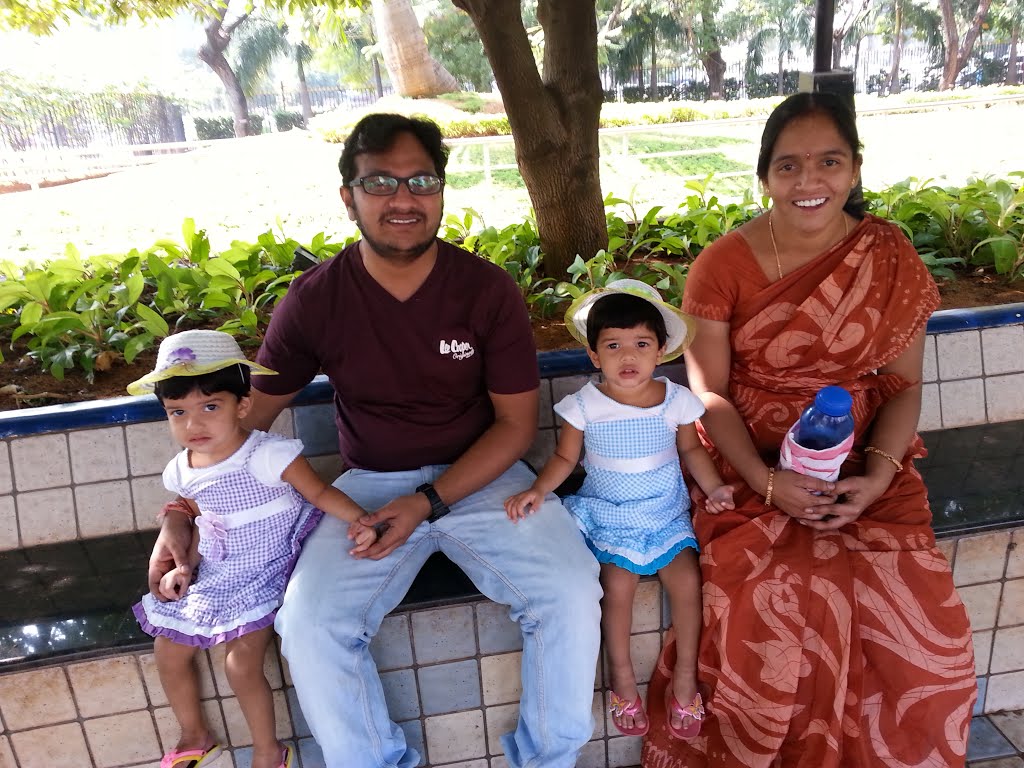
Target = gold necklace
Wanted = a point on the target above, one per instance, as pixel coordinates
(775, 248)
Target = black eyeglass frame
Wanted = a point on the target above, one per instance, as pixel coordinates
(399, 180)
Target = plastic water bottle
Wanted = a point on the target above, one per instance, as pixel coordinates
(827, 421)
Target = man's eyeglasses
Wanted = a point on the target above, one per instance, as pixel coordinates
(379, 184)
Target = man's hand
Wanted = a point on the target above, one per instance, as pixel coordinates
(170, 550)
(363, 535)
(522, 504)
(401, 517)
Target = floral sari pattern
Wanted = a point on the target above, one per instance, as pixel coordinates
(845, 648)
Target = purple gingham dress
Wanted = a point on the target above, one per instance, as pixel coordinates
(250, 530)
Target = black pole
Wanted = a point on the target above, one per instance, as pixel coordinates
(824, 15)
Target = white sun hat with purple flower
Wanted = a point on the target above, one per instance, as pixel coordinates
(193, 353)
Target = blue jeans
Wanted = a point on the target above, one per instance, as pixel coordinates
(539, 567)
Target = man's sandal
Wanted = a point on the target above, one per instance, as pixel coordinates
(190, 758)
(620, 707)
(694, 710)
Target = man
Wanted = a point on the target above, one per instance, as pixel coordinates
(430, 353)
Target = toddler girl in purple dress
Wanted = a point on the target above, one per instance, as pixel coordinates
(253, 498)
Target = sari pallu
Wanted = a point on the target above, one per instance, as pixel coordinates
(847, 648)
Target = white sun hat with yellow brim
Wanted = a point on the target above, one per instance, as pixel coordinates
(680, 327)
(194, 353)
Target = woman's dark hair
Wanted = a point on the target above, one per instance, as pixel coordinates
(377, 133)
(800, 105)
(234, 380)
(620, 310)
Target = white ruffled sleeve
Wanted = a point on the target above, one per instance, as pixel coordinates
(569, 409)
(271, 457)
(172, 473)
(685, 408)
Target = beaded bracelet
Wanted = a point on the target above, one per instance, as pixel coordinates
(178, 505)
(771, 484)
(887, 456)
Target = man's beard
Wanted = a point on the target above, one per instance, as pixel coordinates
(390, 252)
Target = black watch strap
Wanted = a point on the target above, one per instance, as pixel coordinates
(438, 508)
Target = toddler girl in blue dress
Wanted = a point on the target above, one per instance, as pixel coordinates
(253, 498)
(633, 507)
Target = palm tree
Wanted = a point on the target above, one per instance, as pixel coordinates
(412, 69)
(260, 44)
(1007, 22)
(218, 37)
(969, 14)
(786, 24)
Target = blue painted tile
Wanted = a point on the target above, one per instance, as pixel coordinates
(311, 754)
(986, 742)
(498, 633)
(299, 725)
(392, 648)
(450, 687)
(979, 705)
(444, 635)
(413, 730)
(315, 427)
(400, 694)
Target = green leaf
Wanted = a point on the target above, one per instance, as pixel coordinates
(222, 267)
(152, 321)
(137, 344)
(31, 314)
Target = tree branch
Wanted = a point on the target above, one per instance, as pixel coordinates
(234, 24)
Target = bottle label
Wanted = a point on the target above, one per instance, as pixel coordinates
(824, 464)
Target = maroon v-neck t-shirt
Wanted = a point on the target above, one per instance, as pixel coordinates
(411, 378)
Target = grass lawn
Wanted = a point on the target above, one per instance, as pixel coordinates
(288, 182)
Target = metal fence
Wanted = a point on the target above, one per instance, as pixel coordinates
(321, 99)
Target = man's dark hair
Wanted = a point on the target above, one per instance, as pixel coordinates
(234, 380)
(831, 106)
(377, 133)
(620, 310)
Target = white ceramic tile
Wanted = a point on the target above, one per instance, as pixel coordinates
(60, 746)
(931, 410)
(35, 698)
(502, 678)
(980, 558)
(982, 603)
(148, 497)
(168, 730)
(963, 402)
(40, 462)
(150, 447)
(931, 366)
(1015, 562)
(1003, 349)
(107, 686)
(644, 650)
(959, 355)
(647, 606)
(592, 755)
(6, 473)
(624, 751)
(1005, 692)
(104, 508)
(1005, 397)
(120, 739)
(8, 524)
(45, 517)
(1008, 651)
(98, 454)
(1011, 612)
(6, 756)
(982, 651)
(500, 720)
(459, 736)
(948, 549)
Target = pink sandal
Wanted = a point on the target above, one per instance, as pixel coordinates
(619, 707)
(190, 758)
(694, 710)
(286, 758)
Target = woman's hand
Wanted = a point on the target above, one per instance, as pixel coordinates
(801, 496)
(857, 493)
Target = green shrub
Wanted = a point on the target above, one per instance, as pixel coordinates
(285, 121)
(223, 127)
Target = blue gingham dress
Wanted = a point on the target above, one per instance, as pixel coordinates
(250, 531)
(633, 507)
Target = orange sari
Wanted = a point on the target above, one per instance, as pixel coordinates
(821, 649)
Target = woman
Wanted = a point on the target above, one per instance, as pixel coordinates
(832, 634)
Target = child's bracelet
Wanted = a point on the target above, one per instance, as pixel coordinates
(771, 486)
(175, 506)
(887, 456)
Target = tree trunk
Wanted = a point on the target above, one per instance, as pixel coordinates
(410, 66)
(957, 54)
(307, 106)
(714, 65)
(654, 66)
(212, 53)
(1012, 68)
(897, 49)
(837, 47)
(378, 82)
(554, 118)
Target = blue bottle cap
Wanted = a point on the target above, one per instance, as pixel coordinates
(833, 401)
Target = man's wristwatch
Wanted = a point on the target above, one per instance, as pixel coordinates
(438, 508)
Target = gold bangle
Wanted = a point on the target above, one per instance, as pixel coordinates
(768, 491)
(887, 456)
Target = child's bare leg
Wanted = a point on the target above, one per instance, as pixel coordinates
(681, 580)
(176, 666)
(616, 623)
(243, 664)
